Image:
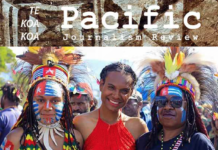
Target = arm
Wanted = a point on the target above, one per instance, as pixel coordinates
(137, 127)
(79, 138)
(142, 127)
(12, 141)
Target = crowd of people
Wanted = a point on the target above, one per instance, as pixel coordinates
(171, 104)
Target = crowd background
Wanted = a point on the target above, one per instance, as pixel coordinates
(95, 60)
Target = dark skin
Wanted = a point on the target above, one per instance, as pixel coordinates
(116, 90)
(45, 112)
(132, 108)
(170, 118)
(80, 104)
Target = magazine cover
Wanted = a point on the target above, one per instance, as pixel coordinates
(108, 74)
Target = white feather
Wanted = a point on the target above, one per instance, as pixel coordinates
(194, 83)
(199, 58)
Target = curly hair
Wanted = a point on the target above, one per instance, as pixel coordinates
(9, 91)
(119, 67)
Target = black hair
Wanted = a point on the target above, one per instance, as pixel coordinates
(9, 91)
(95, 104)
(193, 123)
(29, 122)
(119, 67)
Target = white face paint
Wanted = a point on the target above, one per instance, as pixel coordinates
(183, 118)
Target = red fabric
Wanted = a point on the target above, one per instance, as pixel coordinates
(110, 137)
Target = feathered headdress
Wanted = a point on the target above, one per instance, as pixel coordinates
(50, 63)
(145, 83)
(180, 67)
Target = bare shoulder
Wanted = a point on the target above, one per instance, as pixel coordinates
(136, 126)
(79, 138)
(80, 120)
(14, 137)
(86, 123)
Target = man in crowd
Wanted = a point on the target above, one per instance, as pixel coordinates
(134, 105)
(95, 104)
(10, 113)
(82, 101)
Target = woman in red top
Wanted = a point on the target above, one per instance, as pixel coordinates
(108, 128)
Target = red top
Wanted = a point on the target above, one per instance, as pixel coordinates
(110, 137)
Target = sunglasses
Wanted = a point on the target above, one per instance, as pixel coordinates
(175, 101)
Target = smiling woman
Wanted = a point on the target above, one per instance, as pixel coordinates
(179, 83)
(46, 120)
(48, 102)
(107, 127)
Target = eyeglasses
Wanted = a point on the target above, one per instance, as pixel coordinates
(175, 101)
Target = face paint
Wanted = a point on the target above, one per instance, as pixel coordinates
(59, 110)
(171, 90)
(49, 88)
(183, 114)
(157, 113)
(36, 110)
(47, 105)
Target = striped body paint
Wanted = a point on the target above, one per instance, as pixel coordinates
(59, 110)
(183, 115)
(48, 105)
(49, 88)
(36, 110)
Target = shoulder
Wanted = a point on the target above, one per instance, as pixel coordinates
(84, 118)
(79, 138)
(3, 113)
(202, 141)
(136, 123)
(136, 126)
(86, 123)
(15, 134)
(199, 137)
(14, 137)
(142, 141)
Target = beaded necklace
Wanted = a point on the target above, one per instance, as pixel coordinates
(175, 145)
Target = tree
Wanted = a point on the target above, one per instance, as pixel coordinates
(6, 56)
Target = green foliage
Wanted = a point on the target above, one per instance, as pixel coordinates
(6, 56)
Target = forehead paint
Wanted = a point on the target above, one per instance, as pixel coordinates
(171, 90)
(183, 114)
(59, 110)
(36, 110)
(49, 88)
